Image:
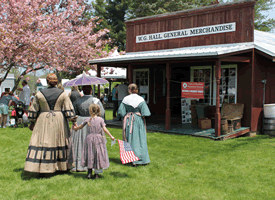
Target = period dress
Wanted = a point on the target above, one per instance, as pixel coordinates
(133, 108)
(78, 137)
(95, 155)
(48, 148)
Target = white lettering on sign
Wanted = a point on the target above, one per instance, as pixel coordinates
(204, 30)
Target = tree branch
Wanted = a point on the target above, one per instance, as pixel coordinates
(23, 74)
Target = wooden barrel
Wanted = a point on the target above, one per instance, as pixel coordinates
(224, 126)
(269, 126)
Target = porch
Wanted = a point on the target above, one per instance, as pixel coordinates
(157, 124)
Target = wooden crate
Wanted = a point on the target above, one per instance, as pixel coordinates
(204, 123)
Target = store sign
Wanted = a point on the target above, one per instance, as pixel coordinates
(204, 30)
(193, 90)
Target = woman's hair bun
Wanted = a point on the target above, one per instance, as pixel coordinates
(133, 88)
(52, 79)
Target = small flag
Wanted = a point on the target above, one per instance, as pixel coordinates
(113, 142)
(126, 152)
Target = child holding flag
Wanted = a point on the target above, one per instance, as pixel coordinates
(95, 155)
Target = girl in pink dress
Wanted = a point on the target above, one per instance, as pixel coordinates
(95, 155)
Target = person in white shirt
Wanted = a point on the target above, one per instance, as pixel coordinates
(25, 95)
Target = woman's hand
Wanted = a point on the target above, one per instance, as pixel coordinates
(31, 127)
(113, 138)
(74, 126)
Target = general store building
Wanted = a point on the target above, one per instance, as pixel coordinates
(216, 45)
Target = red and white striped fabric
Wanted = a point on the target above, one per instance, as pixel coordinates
(126, 152)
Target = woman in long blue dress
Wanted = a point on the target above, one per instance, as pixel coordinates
(133, 109)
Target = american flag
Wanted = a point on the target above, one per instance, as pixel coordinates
(126, 152)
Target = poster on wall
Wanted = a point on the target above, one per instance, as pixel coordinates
(185, 111)
(192, 90)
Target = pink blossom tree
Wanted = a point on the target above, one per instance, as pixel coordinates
(52, 34)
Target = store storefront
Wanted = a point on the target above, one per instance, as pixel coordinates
(214, 45)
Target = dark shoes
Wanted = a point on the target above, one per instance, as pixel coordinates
(90, 176)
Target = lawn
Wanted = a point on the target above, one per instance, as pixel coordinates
(182, 167)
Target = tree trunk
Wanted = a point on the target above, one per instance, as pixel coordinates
(23, 74)
(18, 81)
(6, 74)
(58, 76)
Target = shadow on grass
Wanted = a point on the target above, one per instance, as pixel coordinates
(119, 174)
(240, 142)
(19, 170)
(26, 175)
(32, 175)
(115, 160)
(79, 175)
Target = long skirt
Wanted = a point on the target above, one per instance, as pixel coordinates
(48, 147)
(95, 155)
(78, 137)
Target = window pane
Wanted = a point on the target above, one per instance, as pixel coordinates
(225, 72)
(231, 81)
(232, 99)
(201, 74)
(146, 81)
(207, 80)
(232, 71)
(196, 73)
(146, 74)
(207, 89)
(207, 73)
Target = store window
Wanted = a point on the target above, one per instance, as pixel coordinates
(203, 74)
(141, 78)
(228, 84)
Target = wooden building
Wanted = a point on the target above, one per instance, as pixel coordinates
(215, 44)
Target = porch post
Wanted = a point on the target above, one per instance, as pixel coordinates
(98, 75)
(168, 111)
(218, 114)
(110, 87)
(130, 74)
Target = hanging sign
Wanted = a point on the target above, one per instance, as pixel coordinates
(190, 32)
(193, 90)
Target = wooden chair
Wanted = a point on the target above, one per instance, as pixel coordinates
(234, 113)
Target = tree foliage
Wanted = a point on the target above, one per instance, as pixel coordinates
(261, 20)
(52, 34)
(112, 13)
(142, 8)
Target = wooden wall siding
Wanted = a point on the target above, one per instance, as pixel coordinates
(244, 91)
(264, 69)
(242, 14)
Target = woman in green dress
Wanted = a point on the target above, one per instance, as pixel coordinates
(133, 109)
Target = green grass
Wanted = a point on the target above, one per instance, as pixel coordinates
(182, 167)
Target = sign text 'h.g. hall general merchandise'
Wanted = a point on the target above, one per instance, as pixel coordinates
(193, 90)
(204, 30)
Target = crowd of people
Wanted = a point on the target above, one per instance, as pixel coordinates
(55, 147)
(8, 98)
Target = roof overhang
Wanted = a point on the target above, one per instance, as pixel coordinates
(212, 51)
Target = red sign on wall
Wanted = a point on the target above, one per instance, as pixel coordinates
(193, 90)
